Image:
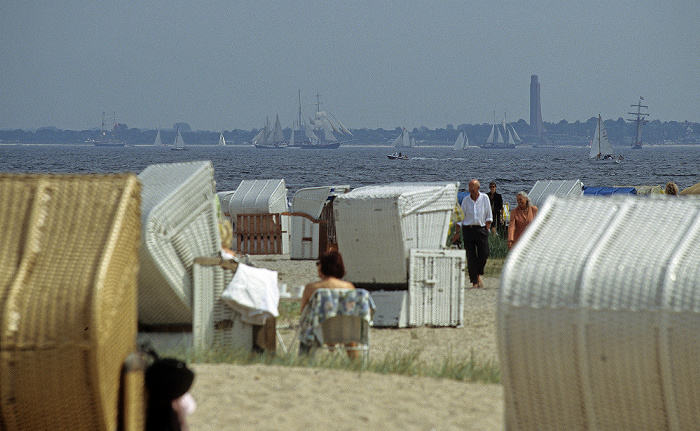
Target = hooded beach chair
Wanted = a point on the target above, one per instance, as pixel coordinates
(68, 268)
(599, 316)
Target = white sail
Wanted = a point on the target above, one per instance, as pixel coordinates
(179, 142)
(499, 140)
(600, 145)
(309, 133)
(510, 138)
(489, 140)
(515, 135)
(277, 133)
(158, 142)
(259, 137)
(222, 141)
(413, 141)
(291, 139)
(459, 142)
(403, 140)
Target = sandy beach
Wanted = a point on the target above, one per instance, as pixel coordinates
(284, 398)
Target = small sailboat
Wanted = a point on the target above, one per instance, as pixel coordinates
(267, 138)
(462, 141)
(179, 143)
(158, 142)
(601, 149)
(222, 141)
(403, 140)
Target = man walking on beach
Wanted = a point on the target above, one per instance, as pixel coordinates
(475, 231)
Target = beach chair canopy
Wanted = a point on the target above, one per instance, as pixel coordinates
(599, 300)
(311, 200)
(544, 188)
(179, 224)
(606, 191)
(255, 197)
(377, 226)
(68, 265)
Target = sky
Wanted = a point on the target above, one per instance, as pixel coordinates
(224, 65)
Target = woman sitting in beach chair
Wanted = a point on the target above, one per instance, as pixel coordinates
(335, 297)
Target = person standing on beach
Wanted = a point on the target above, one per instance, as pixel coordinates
(520, 218)
(475, 231)
(496, 209)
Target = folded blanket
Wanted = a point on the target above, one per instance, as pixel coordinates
(253, 292)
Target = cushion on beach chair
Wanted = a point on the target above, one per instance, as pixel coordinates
(68, 268)
(599, 316)
(180, 223)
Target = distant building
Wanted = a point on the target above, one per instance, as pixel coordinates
(536, 127)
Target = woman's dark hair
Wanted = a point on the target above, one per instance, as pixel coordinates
(332, 264)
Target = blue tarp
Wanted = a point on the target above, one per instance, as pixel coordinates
(604, 191)
(461, 196)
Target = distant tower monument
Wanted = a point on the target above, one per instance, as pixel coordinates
(536, 127)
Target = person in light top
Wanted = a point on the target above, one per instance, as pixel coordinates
(475, 231)
(520, 218)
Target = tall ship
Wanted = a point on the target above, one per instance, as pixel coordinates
(107, 138)
(639, 121)
(320, 131)
(507, 139)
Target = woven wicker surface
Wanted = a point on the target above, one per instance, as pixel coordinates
(598, 316)
(68, 265)
(179, 222)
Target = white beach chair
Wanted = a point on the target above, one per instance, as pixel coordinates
(179, 224)
(599, 316)
(377, 226)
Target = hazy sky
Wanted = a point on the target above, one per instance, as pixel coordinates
(222, 65)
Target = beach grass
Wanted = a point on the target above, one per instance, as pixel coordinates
(465, 369)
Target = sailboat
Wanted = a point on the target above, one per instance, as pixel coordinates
(179, 143)
(403, 140)
(158, 142)
(270, 139)
(640, 121)
(319, 131)
(601, 149)
(462, 141)
(107, 138)
(496, 139)
(222, 141)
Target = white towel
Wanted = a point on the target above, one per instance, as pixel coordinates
(253, 292)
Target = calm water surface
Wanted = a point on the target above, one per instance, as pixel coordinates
(513, 170)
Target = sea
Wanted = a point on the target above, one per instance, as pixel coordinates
(513, 170)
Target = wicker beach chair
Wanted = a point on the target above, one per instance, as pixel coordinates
(68, 268)
(599, 316)
(377, 226)
(180, 224)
